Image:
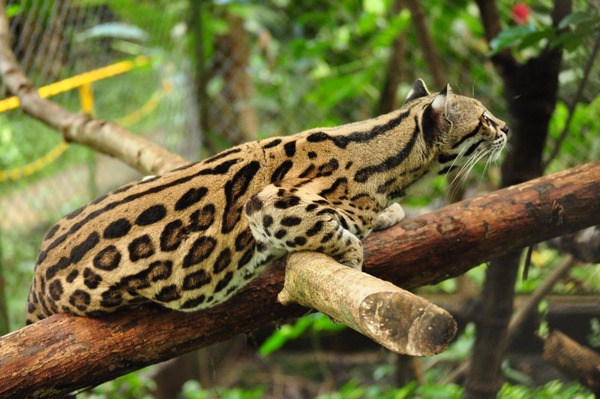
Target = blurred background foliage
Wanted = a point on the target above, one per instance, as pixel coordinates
(221, 72)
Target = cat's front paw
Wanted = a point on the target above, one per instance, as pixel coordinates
(389, 217)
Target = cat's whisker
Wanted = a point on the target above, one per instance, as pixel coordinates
(453, 163)
(460, 171)
(487, 163)
(466, 168)
(473, 161)
(464, 171)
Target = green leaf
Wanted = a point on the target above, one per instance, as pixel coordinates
(114, 30)
(534, 38)
(520, 37)
(576, 18)
(322, 322)
(376, 7)
(397, 25)
(12, 10)
(285, 333)
(509, 37)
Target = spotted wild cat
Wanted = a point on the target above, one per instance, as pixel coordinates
(192, 237)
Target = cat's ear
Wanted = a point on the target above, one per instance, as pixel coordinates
(439, 106)
(435, 115)
(418, 90)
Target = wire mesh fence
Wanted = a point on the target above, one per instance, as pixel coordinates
(58, 42)
(91, 58)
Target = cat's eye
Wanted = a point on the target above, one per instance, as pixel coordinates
(487, 120)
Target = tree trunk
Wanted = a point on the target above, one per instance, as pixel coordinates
(64, 353)
(231, 113)
(388, 99)
(432, 57)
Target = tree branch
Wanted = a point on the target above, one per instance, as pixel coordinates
(573, 103)
(64, 353)
(523, 312)
(102, 136)
(395, 318)
(574, 360)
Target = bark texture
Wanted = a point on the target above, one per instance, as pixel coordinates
(63, 353)
(231, 112)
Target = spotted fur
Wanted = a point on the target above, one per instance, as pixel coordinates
(192, 237)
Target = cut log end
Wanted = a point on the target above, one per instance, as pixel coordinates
(406, 323)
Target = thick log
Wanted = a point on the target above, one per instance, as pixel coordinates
(446, 243)
(62, 353)
(395, 318)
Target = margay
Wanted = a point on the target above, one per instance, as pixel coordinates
(191, 238)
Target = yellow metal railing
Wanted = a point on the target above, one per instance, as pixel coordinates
(79, 80)
(84, 83)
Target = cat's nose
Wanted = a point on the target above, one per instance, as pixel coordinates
(505, 129)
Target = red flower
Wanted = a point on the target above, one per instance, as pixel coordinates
(520, 13)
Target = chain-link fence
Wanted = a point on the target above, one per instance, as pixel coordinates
(88, 58)
(83, 50)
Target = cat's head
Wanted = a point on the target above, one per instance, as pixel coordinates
(459, 129)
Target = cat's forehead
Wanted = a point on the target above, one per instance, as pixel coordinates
(462, 102)
(469, 100)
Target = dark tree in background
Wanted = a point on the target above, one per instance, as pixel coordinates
(530, 91)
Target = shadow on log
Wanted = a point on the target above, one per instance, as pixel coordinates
(63, 353)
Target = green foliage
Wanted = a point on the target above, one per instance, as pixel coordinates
(134, 385)
(12, 10)
(352, 390)
(579, 27)
(193, 390)
(18, 260)
(571, 33)
(521, 37)
(594, 335)
(551, 390)
(582, 138)
(313, 323)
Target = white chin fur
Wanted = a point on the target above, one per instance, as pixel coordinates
(495, 155)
